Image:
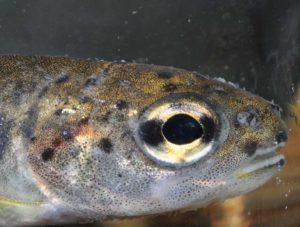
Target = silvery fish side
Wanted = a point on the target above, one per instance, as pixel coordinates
(84, 140)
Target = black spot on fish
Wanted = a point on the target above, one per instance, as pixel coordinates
(58, 112)
(28, 124)
(105, 145)
(106, 116)
(62, 79)
(43, 92)
(250, 148)
(84, 99)
(119, 175)
(236, 124)
(170, 88)
(121, 104)
(164, 74)
(47, 154)
(150, 132)
(209, 128)
(5, 127)
(32, 139)
(84, 121)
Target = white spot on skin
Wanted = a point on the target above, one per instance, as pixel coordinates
(222, 80)
(68, 111)
(132, 112)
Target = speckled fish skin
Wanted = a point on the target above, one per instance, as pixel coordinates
(69, 150)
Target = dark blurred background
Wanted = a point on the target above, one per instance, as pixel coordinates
(255, 43)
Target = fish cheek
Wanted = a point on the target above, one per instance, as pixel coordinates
(57, 154)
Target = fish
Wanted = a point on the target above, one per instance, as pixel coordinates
(84, 140)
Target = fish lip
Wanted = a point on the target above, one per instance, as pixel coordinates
(265, 158)
(265, 150)
(273, 161)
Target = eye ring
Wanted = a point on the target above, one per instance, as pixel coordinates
(180, 129)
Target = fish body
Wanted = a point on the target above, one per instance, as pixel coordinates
(90, 140)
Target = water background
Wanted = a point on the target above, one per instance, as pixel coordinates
(253, 43)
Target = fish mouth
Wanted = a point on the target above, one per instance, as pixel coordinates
(265, 159)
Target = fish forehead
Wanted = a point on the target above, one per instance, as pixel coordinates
(73, 123)
(106, 81)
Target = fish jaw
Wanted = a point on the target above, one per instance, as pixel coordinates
(255, 173)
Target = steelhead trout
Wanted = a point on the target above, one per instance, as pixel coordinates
(90, 140)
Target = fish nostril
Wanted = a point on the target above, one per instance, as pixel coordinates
(281, 137)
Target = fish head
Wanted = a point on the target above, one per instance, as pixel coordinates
(171, 143)
(218, 141)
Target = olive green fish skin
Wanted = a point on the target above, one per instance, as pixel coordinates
(69, 131)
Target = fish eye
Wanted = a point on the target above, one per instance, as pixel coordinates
(178, 130)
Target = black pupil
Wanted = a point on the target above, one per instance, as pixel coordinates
(182, 129)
